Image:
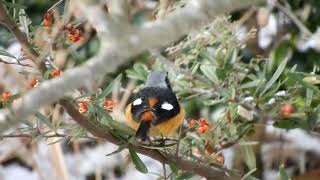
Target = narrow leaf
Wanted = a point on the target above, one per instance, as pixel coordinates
(106, 91)
(5, 53)
(249, 157)
(24, 22)
(275, 76)
(282, 173)
(120, 148)
(13, 5)
(210, 72)
(309, 95)
(138, 164)
(43, 119)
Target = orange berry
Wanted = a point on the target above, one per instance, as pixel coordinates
(48, 19)
(108, 105)
(203, 129)
(286, 109)
(34, 82)
(82, 107)
(80, 40)
(55, 73)
(203, 122)
(75, 35)
(6, 96)
(192, 123)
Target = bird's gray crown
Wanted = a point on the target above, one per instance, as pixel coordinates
(157, 79)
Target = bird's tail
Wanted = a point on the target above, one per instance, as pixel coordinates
(143, 130)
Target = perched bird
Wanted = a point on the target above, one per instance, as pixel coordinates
(156, 110)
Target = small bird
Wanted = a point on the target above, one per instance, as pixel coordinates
(156, 110)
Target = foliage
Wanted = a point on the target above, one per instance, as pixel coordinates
(225, 93)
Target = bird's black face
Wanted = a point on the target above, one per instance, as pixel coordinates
(162, 102)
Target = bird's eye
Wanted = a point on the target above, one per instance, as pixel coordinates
(137, 102)
(166, 106)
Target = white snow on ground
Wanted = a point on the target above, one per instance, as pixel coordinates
(17, 172)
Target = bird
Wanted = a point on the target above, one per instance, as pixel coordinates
(155, 111)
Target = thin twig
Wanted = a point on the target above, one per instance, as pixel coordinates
(294, 19)
(18, 63)
(164, 171)
(53, 6)
(7, 21)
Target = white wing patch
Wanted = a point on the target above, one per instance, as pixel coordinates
(137, 102)
(167, 106)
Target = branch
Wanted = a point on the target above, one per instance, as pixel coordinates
(163, 6)
(116, 52)
(99, 130)
(294, 19)
(7, 21)
(18, 63)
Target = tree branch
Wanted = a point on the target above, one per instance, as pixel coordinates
(112, 54)
(99, 130)
(7, 21)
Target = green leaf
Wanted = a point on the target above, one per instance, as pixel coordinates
(309, 95)
(185, 175)
(66, 11)
(43, 119)
(77, 132)
(137, 162)
(120, 148)
(91, 108)
(24, 21)
(298, 78)
(212, 102)
(13, 5)
(210, 72)
(249, 156)
(250, 84)
(282, 173)
(292, 123)
(106, 119)
(107, 90)
(174, 168)
(5, 53)
(47, 74)
(139, 72)
(275, 76)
